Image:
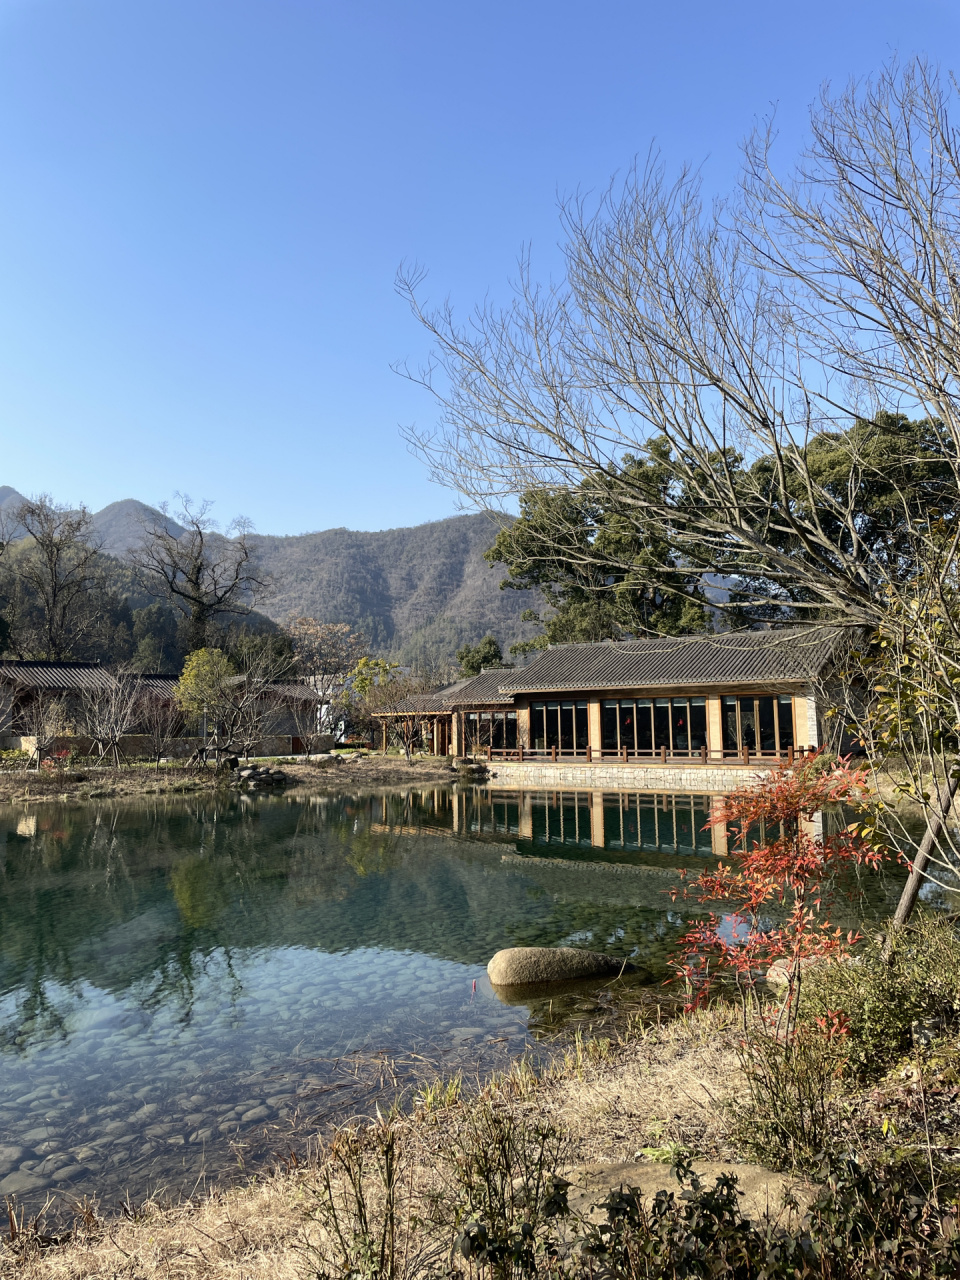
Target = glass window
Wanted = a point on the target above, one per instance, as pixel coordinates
(538, 730)
(566, 726)
(644, 725)
(680, 724)
(698, 723)
(611, 737)
(628, 725)
(785, 719)
(552, 724)
(582, 727)
(748, 723)
(766, 725)
(731, 727)
(510, 731)
(661, 723)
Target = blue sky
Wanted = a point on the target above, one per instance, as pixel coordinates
(203, 204)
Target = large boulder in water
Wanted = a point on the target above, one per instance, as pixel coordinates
(516, 966)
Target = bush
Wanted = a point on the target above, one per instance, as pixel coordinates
(884, 1001)
(504, 1215)
(862, 1226)
(501, 1169)
(788, 1119)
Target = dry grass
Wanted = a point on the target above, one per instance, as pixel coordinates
(655, 1084)
(132, 782)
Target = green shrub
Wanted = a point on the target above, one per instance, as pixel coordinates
(14, 759)
(788, 1118)
(884, 1001)
(501, 1169)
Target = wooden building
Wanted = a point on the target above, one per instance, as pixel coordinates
(738, 697)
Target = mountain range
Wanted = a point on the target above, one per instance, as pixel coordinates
(418, 593)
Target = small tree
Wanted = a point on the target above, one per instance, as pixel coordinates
(313, 719)
(110, 712)
(788, 870)
(45, 719)
(404, 706)
(158, 719)
(240, 707)
(257, 701)
(474, 658)
(205, 695)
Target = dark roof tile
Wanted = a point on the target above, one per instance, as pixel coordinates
(478, 690)
(764, 658)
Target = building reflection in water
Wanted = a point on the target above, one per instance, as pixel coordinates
(621, 822)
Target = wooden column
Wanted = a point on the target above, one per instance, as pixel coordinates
(596, 819)
(714, 727)
(595, 728)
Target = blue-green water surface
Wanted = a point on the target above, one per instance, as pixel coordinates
(189, 983)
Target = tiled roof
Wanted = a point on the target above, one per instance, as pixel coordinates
(765, 658)
(165, 686)
(294, 692)
(67, 677)
(415, 704)
(476, 691)
(54, 675)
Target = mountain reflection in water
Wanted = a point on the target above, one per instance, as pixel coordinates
(183, 976)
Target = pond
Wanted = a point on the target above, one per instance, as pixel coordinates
(188, 987)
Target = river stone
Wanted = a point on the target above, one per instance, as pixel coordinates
(778, 975)
(16, 1184)
(524, 965)
(256, 1113)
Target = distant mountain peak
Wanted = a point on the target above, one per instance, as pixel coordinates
(120, 524)
(419, 592)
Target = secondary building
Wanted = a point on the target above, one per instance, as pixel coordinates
(738, 698)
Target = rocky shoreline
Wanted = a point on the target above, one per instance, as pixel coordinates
(613, 1099)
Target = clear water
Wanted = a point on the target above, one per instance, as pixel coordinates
(191, 986)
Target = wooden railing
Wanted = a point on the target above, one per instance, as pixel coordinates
(660, 755)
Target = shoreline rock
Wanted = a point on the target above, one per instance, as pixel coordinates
(527, 966)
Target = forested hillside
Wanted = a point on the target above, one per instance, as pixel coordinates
(418, 593)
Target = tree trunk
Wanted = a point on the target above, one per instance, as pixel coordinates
(198, 628)
(911, 890)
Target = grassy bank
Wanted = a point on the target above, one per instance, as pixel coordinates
(859, 1132)
(95, 783)
(604, 1100)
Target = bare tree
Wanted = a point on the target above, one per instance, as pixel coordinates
(159, 719)
(54, 568)
(45, 719)
(110, 711)
(314, 719)
(403, 705)
(759, 349)
(325, 654)
(204, 572)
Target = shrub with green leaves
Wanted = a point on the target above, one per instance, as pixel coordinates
(883, 1000)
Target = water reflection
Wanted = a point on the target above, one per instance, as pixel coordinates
(180, 976)
(612, 821)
